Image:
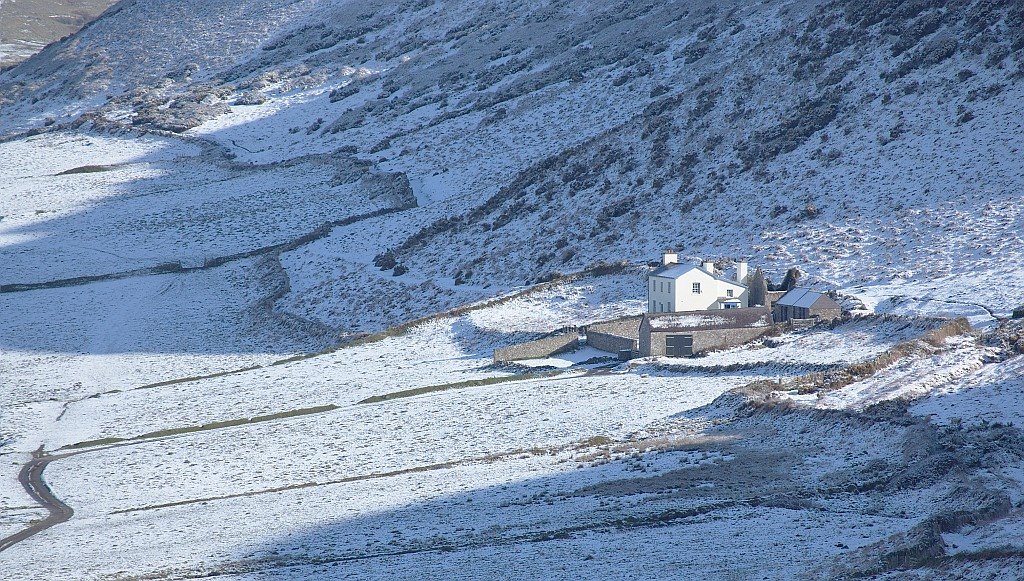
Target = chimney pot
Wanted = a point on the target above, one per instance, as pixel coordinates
(741, 271)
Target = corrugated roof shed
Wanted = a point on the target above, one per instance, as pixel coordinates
(800, 297)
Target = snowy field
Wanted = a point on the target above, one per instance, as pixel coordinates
(139, 203)
(994, 394)
(276, 205)
(601, 465)
(848, 343)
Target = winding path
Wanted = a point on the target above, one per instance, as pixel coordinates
(31, 478)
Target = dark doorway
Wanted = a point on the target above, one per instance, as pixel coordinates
(679, 345)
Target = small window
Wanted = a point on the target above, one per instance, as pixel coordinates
(696, 288)
(662, 286)
(728, 293)
(670, 286)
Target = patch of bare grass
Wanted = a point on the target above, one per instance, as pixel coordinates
(203, 428)
(457, 385)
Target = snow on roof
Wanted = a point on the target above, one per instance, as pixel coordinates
(717, 319)
(689, 320)
(678, 270)
(800, 297)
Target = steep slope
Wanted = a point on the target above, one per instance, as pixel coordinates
(201, 200)
(28, 25)
(844, 138)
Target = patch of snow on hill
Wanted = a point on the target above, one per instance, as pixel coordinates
(994, 394)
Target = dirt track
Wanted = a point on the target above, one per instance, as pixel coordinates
(31, 478)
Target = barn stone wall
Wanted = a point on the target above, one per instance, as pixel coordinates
(706, 340)
(826, 313)
(646, 344)
(722, 338)
(628, 327)
(610, 343)
(545, 347)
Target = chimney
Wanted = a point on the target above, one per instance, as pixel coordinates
(670, 257)
(709, 265)
(741, 271)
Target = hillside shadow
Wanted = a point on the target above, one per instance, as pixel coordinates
(172, 250)
(607, 521)
(994, 395)
(697, 510)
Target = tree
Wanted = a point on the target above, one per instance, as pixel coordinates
(792, 277)
(758, 289)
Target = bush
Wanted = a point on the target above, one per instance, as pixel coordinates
(385, 260)
(251, 98)
(343, 92)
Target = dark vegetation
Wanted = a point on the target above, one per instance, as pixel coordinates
(86, 169)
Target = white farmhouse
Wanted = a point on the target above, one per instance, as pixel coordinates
(675, 287)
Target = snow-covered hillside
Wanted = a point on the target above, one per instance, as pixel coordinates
(26, 26)
(862, 142)
(257, 255)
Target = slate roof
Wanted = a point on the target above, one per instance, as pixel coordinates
(713, 319)
(802, 297)
(678, 270)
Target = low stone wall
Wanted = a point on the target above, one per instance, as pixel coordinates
(545, 347)
(610, 343)
(628, 327)
(722, 338)
(615, 335)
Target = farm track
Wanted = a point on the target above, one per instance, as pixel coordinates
(31, 479)
(995, 317)
(31, 475)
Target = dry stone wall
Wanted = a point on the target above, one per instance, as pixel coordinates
(722, 338)
(545, 347)
(610, 343)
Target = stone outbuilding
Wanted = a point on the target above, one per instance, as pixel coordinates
(803, 304)
(691, 333)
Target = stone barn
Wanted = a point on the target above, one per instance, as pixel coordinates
(803, 304)
(694, 332)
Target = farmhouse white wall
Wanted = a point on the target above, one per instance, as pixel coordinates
(672, 290)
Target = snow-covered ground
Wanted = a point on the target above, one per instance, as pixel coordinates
(587, 460)
(250, 186)
(850, 342)
(993, 394)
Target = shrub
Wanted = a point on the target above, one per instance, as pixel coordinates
(385, 260)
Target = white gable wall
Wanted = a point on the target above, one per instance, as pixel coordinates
(661, 294)
(673, 294)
